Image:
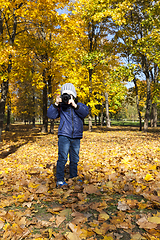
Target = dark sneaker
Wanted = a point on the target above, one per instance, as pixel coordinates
(61, 184)
(79, 180)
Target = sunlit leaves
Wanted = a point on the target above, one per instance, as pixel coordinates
(120, 188)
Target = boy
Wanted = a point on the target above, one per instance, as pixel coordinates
(70, 130)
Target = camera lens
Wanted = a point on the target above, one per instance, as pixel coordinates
(65, 98)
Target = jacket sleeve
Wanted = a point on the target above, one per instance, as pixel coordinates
(82, 110)
(53, 112)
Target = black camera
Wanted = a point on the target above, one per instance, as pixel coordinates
(65, 97)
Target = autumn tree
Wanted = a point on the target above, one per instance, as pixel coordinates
(135, 26)
(18, 22)
(86, 41)
(10, 27)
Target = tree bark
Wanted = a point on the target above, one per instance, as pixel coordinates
(90, 91)
(50, 100)
(154, 76)
(33, 120)
(90, 120)
(8, 116)
(147, 114)
(154, 115)
(45, 119)
(137, 102)
(108, 122)
(95, 120)
(102, 115)
(4, 91)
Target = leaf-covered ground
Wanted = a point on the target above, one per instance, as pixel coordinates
(119, 197)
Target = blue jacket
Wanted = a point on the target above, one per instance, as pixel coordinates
(71, 119)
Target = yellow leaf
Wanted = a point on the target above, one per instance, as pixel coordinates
(154, 220)
(19, 196)
(103, 216)
(101, 231)
(38, 238)
(148, 177)
(108, 238)
(50, 233)
(152, 167)
(32, 185)
(6, 226)
(1, 183)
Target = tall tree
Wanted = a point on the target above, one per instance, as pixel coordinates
(136, 25)
(10, 28)
(87, 43)
(18, 21)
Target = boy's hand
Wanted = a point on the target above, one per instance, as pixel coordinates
(72, 102)
(58, 100)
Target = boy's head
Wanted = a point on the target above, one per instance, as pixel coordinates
(69, 89)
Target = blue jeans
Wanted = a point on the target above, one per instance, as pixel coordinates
(67, 145)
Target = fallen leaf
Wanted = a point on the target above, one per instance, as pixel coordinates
(59, 220)
(103, 216)
(52, 219)
(71, 236)
(137, 236)
(154, 220)
(143, 223)
(1, 224)
(90, 189)
(28, 204)
(65, 213)
(42, 189)
(33, 185)
(108, 238)
(123, 206)
(148, 177)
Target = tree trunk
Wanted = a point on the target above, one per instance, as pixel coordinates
(147, 114)
(99, 116)
(137, 102)
(45, 119)
(90, 91)
(4, 91)
(4, 85)
(154, 115)
(33, 120)
(8, 117)
(108, 122)
(102, 115)
(90, 120)
(95, 120)
(154, 76)
(51, 126)
(50, 100)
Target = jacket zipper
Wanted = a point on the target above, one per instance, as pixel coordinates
(72, 121)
